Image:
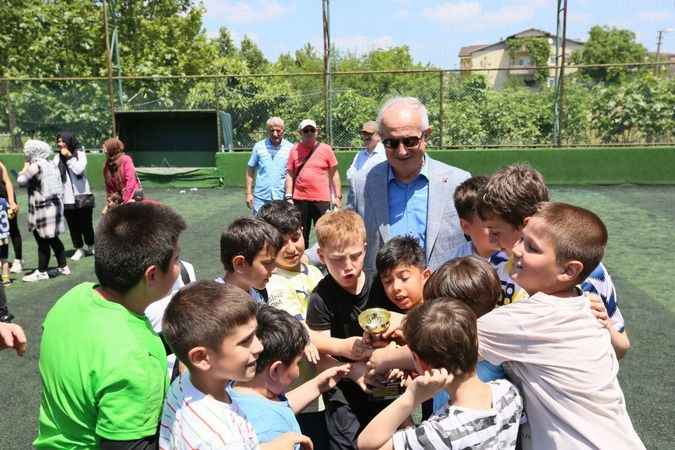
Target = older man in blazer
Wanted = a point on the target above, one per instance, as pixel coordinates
(409, 193)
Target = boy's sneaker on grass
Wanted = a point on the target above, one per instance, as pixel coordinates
(6, 317)
(78, 255)
(65, 270)
(89, 251)
(17, 267)
(36, 276)
(6, 280)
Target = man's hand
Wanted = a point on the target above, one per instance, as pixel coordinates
(425, 386)
(288, 441)
(599, 311)
(65, 152)
(12, 336)
(354, 348)
(249, 200)
(329, 378)
(312, 353)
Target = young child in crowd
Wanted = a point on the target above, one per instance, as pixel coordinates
(558, 354)
(212, 329)
(264, 400)
(103, 368)
(248, 248)
(466, 199)
(288, 289)
(510, 196)
(442, 336)
(333, 311)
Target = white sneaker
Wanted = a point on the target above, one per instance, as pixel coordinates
(78, 255)
(89, 250)
(17, 267)
(65, 270)
(36, 276)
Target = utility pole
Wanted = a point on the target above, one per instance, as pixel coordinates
(327, 88)
(659, 41)
(560, 72)
(108, 61)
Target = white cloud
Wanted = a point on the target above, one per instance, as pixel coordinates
(362, 44)
(245, 12)
(578, 18)
(475, 15)
(654, 16)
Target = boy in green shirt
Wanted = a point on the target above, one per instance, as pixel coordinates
(103, 368)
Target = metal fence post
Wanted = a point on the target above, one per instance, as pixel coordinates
(108, 60)
(441, 109)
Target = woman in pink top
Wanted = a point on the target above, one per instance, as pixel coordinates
(121, 182)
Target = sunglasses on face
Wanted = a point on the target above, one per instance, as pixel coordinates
(408, 142)
(308, 130)
(366, 136)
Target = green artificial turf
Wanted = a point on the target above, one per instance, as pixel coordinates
(641, 224)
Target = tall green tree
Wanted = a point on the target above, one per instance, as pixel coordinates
(609, 45)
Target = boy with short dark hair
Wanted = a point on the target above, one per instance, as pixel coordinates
(333, 311)
(401, 267)
(442, 336)
(102, 366)
(248, 247)
(466, 200)
(264, 400)
(212, 329)
(510, 196)
(557, 352)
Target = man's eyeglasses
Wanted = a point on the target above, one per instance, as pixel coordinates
(408, 142)
(366, 136)
(308, 130)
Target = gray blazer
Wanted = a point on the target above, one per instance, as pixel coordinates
(371, 201)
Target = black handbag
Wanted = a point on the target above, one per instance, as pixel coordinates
(84, 201)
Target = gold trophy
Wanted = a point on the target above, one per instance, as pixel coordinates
(376, 321)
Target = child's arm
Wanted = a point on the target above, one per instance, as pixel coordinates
(620, 340)
(385, 359)
(352, 348)
(307, 392)
(288, 441)
(379, 432)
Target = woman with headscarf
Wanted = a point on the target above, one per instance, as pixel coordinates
(45, 207)
(78, 201)
(121, 182)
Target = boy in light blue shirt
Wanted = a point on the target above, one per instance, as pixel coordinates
(264, 400)
(267, 167)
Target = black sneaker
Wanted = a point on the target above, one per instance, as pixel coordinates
(7, 317)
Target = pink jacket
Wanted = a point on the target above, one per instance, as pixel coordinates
(124, 180)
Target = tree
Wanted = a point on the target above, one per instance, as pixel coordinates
(255, 60)
(607, 45)
(225, 43)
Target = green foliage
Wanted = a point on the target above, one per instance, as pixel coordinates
(607, 45)
(537, 48)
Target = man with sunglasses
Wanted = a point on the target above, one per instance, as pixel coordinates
(409, 193)
(371, 154)
(312, 179)
(267, 167)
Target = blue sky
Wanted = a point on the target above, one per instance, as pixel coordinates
(434, 30)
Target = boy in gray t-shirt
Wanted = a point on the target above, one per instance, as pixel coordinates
(442, 336)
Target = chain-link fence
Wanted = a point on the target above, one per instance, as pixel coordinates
(464, 109)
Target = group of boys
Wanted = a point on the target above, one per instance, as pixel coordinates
(274, 357)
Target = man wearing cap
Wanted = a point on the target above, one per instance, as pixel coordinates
(371, 154)
(267, 167)
(312, 179)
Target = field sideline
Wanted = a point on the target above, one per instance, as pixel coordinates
(641, 224)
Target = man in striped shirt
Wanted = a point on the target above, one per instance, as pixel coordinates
(443, 339)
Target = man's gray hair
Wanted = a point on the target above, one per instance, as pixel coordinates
(408, 102)
(275, 121)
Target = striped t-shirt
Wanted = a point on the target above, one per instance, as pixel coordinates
(455, 427)
(193, 420)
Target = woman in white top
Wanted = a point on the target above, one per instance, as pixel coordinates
(78, 201)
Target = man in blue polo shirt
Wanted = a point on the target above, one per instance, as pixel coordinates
(267, 167)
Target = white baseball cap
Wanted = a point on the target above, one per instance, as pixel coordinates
(306, 123)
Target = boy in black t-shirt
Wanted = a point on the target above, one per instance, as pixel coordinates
(333, 313)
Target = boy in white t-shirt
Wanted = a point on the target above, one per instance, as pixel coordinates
(442, 336)
(551, 345)
(211, 327)
(509, 197)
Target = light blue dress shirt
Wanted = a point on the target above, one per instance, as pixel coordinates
(269, 163)
(408, 205)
